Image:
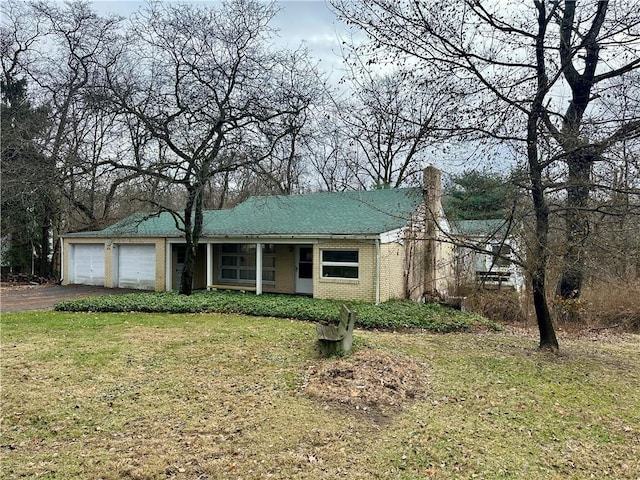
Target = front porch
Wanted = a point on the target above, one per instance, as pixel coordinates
(285, 267)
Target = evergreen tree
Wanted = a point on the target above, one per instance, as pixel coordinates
(25, 186)
(478, 195)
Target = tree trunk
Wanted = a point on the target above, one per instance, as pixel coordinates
(186, 281)
(579, 157)
(540, 250)
(193, 230)
(539, 253)
(577, 225)
(548, 338)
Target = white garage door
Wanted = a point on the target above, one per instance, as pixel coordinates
(87, 264)
(137, 266)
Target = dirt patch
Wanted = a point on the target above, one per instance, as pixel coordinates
(368, 382)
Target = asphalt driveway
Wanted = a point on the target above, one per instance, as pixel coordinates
(22, 298)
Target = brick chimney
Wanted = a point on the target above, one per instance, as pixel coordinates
(432, 190)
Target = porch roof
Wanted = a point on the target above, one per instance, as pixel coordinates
(315, 214)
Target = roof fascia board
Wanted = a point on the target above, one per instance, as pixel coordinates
(310, 239)
(392, 236)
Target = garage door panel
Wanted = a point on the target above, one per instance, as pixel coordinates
(88, 264)
(137, 266)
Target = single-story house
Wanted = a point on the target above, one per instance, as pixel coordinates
(358, 245)
(483, 255)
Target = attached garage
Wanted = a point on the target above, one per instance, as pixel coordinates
(136, 266)
(86, 264)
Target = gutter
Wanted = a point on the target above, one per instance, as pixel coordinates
(306, 238)
(172, 237)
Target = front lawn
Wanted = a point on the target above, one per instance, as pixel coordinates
(208, 396)
(388, 315)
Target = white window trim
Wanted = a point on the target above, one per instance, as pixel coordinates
(339, 264)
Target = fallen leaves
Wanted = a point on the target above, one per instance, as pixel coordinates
(368, 379)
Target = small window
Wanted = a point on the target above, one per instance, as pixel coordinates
(340, 264)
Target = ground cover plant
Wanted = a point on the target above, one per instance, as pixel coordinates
(150, 396)
(393, 314)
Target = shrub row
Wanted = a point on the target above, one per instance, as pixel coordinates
(389, 315)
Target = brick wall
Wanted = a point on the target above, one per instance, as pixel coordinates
(362, 288)
(445, 271)
(392, 268)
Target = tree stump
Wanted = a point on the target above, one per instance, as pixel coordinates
(337, 339)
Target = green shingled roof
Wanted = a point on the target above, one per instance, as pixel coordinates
(323, 214)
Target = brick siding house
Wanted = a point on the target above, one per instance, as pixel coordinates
(358, 245)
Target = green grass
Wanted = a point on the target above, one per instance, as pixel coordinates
(389, 315)
(150, 396)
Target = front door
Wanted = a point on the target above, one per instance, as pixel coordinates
(180, 252)
(304, 270)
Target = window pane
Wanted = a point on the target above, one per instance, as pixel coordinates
(229, 261)
(247, 261)
(181, 252)
(306, 254)
(268, 275)
(228, 274)
(247, 274)
(249, 248)
(268, 262)
(269, 248)
(350, 256)
(229, 248)
(305, 270)
(334, 271)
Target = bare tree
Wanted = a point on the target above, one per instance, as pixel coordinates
(393, 119)
(534, 77)
(203, 81)
(333, 158)
(598, 46)
(57, 50)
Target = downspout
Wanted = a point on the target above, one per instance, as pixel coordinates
(377, 270)
(61, 260)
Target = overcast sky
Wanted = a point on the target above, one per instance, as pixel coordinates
(308, 22)
(300, 22)
(312, 23)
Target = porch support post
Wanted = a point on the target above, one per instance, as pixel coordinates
(258, 268)
(209, 265)
(168, 272)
